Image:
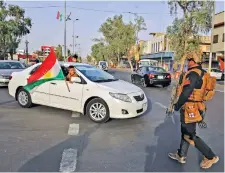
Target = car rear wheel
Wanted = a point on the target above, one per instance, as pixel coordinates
(132, 80)
(143, 82)
(24, 98)
(98, 111)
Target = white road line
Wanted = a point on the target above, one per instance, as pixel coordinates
(75, 114)
(161, 105)
(164, 107)
(69, 160)
(220, 91)
(73, 129)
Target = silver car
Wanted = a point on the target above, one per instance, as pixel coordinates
(7, 67)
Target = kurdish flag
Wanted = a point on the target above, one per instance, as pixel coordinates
(49, 70)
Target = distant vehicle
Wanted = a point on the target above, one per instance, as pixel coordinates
(215, 73)
(94, 93)
(7, 67)
(103, 65)
(147, 62)
(151, 75)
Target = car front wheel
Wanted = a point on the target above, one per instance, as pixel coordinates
(24, 99)
(98, 111)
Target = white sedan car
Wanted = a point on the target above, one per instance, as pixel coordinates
(94, 93)
(215, 73)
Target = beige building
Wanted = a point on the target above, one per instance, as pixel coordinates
(218, 36)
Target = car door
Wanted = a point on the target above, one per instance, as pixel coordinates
(139, 74)
(64, 97)
(40, 94)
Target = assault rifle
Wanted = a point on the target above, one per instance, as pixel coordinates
(174, 94)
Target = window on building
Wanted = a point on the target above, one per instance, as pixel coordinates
(215, 38)
(223, 38)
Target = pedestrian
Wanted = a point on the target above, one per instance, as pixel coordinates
(192, 112)
(74, 58)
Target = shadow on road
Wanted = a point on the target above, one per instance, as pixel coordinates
(49, 160)
(168, 139)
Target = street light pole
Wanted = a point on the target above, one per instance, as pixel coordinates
(65, 31)
(211, 46)
(73, 34)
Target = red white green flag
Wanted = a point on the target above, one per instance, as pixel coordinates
(49, 70)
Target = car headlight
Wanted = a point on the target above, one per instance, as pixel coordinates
(122, 97)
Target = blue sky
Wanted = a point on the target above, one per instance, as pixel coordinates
(47, 30)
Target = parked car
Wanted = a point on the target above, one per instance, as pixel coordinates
(151, 75)
(103, 65)
(94, 93)
(215, 73)
(7, 67)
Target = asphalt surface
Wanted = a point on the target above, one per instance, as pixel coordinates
(38, 139)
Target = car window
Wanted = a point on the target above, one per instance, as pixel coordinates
(144, 69)
(159, 69)
(139, 69)
(11, 65)
(32, 71)
(216, 70)
(95, 74)
(65, 70)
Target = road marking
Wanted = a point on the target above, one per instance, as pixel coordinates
(219, 91)
(11, 101)
(69, 160)
(75, 114)
(73, 129)
(165, 107)
(161, 105)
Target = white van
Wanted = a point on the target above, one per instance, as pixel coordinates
(147, 62)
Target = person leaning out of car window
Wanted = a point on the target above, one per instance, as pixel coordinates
(72, 73)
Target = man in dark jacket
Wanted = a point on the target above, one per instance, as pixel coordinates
(192, 83)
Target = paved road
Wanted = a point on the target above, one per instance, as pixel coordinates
(37, 139)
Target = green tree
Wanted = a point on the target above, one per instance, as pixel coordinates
(68, 52)
(98, 51)
(118, 36)
(139, 25)
(89, 58)
(13, 25)
(59, 53)
(184, 33)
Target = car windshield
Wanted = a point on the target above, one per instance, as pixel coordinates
(157, 69)
(11, 65)
(94, 74)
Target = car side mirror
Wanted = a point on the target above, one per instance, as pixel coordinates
(75, 80)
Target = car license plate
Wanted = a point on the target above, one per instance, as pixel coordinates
(160, 77)
(144, 105)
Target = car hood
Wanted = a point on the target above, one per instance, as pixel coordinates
(8, 72)
(120, 86)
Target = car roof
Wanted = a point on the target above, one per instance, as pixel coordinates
(10, 61)
(73, 64)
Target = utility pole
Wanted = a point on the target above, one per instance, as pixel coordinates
(26, 42)
(65, 31)
(211, 46)
(74, 35)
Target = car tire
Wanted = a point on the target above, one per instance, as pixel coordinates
(132, 79)
(93, 106)
(24, 99)
(143, 82)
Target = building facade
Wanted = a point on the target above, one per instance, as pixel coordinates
(218, 38)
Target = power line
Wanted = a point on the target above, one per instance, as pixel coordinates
(91, 9)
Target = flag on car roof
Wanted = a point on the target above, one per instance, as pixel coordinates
(49, 70)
